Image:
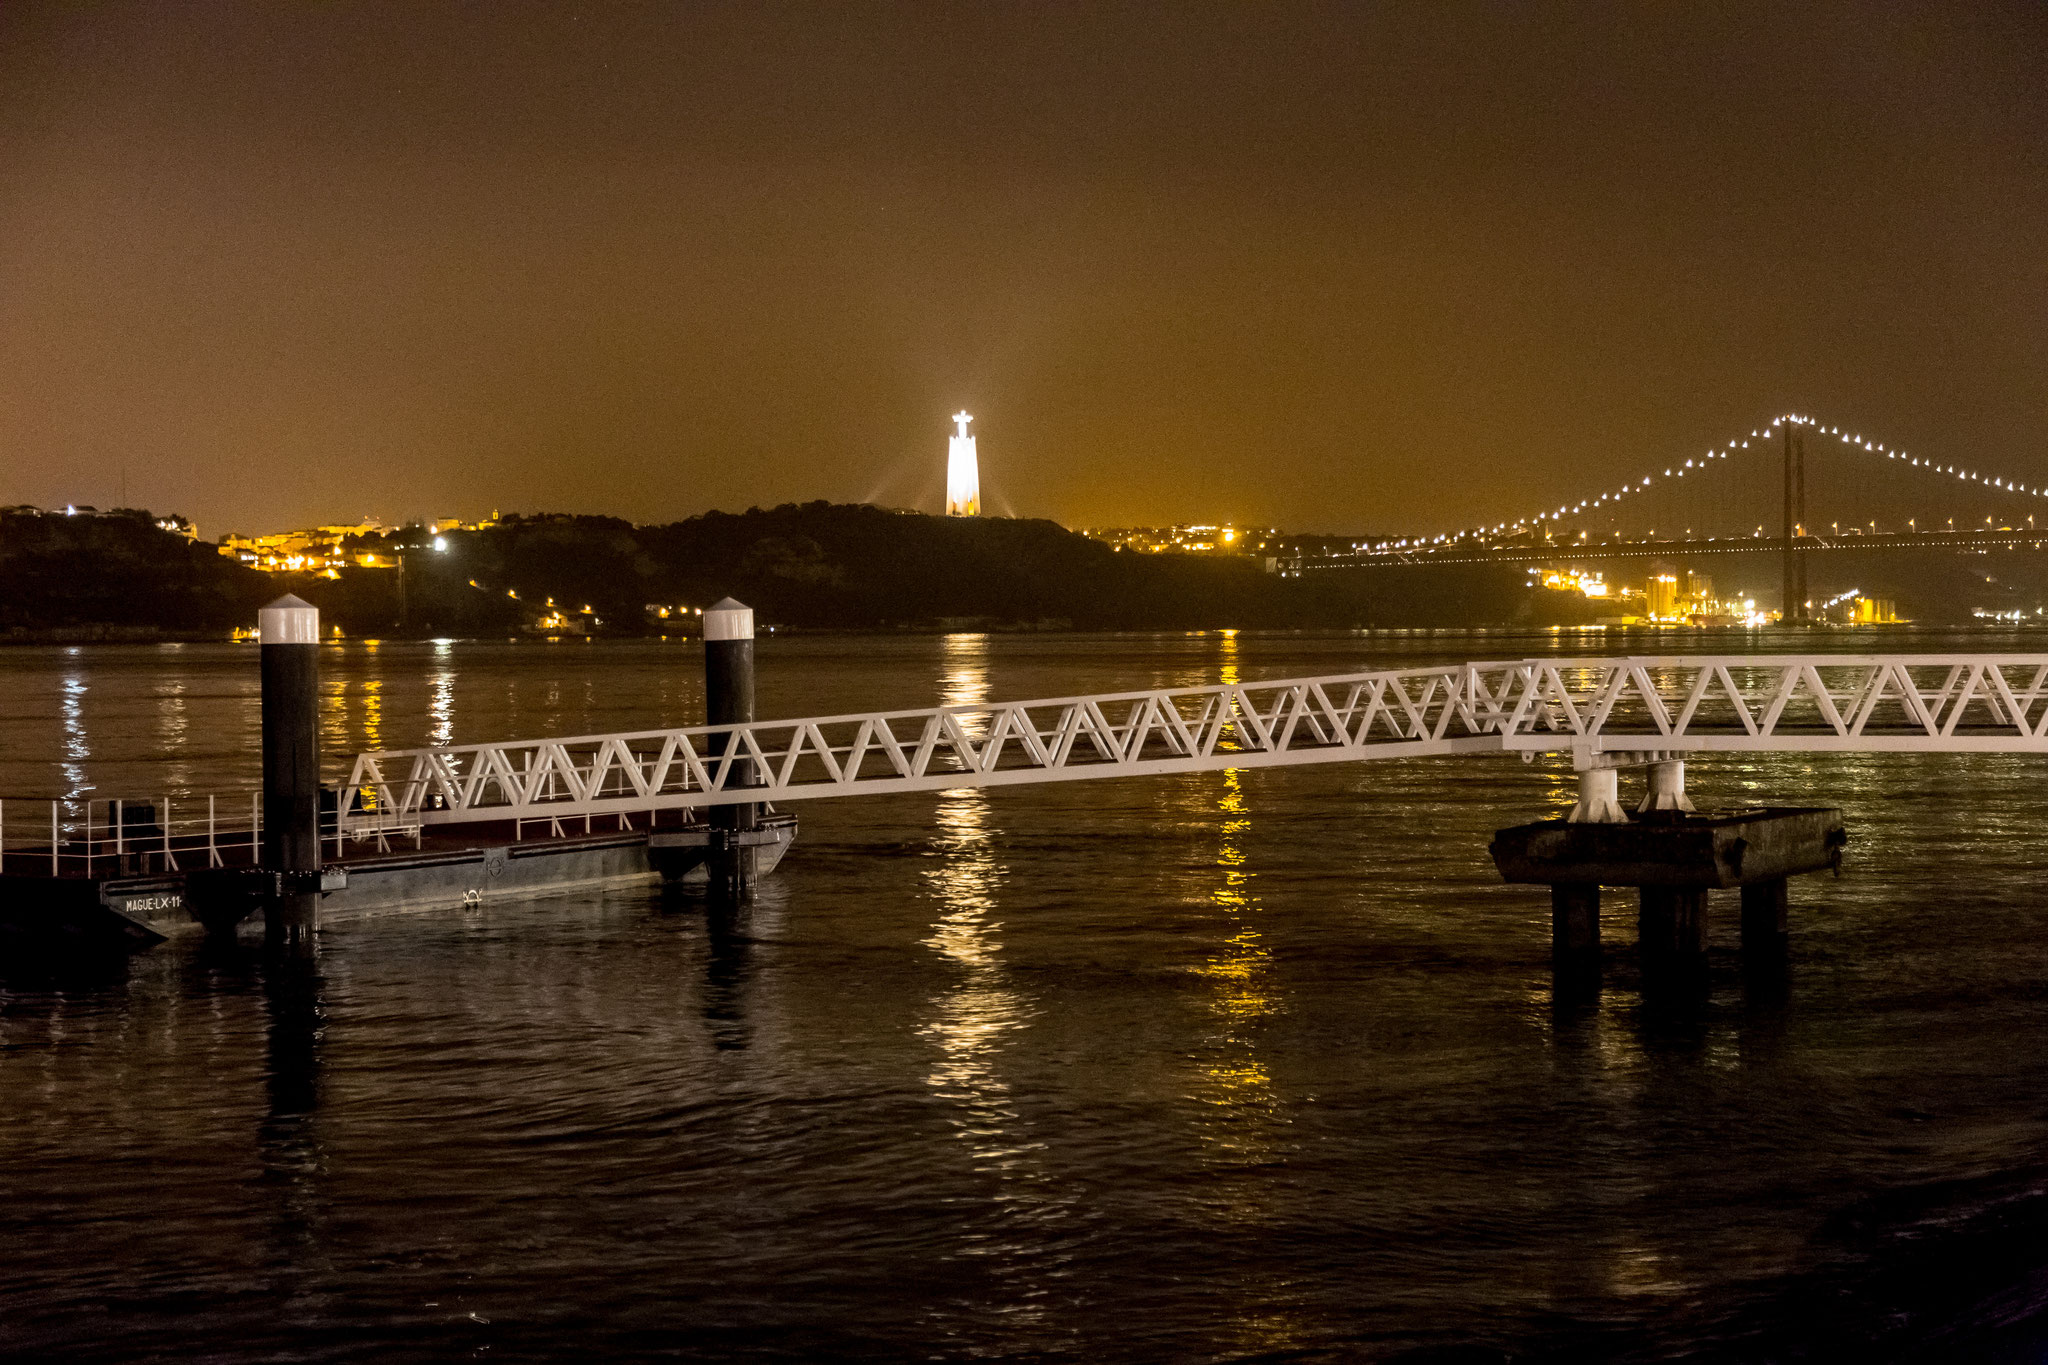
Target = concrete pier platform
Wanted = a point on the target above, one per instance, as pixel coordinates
(1674, 860)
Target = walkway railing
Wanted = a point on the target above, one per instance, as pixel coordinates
(1938, 703)
(116, 837)
(1928, 703)
(1121, 734)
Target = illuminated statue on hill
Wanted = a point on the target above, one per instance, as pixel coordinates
(963, 474)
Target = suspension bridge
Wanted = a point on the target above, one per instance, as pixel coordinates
(1749, 495)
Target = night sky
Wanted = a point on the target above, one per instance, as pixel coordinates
(1320, 266)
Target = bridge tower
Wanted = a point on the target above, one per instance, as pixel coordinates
(1795, 524)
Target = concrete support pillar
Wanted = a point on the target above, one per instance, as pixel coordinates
(1667, 787)
(1574, 920)
(1764, 928)
(289, 631)
(1673, 923)
(729, 700)
(1599, 799)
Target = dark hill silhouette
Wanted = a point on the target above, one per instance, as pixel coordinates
(834, 566)
(121, 570)
(818, 565)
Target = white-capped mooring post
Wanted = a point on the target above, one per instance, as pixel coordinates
(729, 700)
(289, 631)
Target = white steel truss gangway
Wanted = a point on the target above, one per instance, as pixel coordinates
(1605, 712)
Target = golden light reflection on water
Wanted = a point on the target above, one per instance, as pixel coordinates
(1561, 784)
(972, 1019)
(77, 748)
(1235, 1077)
(972, 1016)
(441, 695)
(172, 727)
(1243, 1123)
(373, 713)
(333, 715)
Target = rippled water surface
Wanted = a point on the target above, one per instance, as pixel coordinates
(1238, 1065)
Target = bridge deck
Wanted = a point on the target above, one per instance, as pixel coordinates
(1527, 550)
(1833, 703)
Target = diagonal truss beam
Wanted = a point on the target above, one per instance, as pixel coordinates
(1936, 703)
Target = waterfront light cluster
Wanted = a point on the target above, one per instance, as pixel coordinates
(325, 550)
(1183, 539)
(1685, 597)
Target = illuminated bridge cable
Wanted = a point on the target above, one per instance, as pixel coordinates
(1751, 454)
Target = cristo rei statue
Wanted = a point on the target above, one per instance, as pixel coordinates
(963, 474)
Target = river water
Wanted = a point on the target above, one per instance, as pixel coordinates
(1247, 1065)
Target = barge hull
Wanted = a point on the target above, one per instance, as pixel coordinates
(131, 913)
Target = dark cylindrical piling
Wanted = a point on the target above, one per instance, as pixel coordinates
(1574, 921)
(290, 633)
(1673, 923)
(1764, 927)
(1574, 942)
(729, 700)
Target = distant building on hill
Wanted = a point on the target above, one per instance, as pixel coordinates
(1193, 540)
(326, 550)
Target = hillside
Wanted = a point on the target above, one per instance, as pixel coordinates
(818, 566)
(827, 566)
(118, 571)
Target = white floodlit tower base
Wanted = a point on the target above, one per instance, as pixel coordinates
(963, 473)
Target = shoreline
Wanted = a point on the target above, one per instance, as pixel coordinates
(152, 635)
